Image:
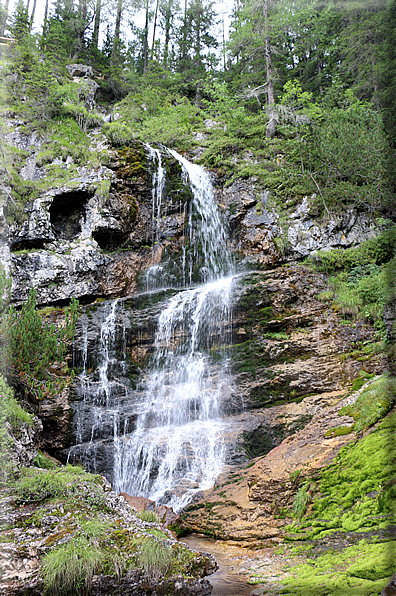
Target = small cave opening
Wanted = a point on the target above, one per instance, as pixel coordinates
(108, 239)
(36, 244)
(67, 212)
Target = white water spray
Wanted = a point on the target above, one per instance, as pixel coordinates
(177, 447)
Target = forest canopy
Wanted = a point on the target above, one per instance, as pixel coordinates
(316, 76)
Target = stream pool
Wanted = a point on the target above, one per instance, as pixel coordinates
(226, 581)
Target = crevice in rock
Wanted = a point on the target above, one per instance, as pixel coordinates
(36, 244)
(109, 239)
(67, 213)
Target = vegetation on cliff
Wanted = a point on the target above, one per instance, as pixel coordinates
(31, 345)
(312, 113)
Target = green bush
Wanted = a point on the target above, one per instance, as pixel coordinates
(44, 462)
(19, 331)
(377, 251)
(345, 152)
(11, 413)
(14, 413)
(35, 485)
(119, 134)
(68, 569)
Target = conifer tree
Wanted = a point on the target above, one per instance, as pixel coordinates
(29, 344)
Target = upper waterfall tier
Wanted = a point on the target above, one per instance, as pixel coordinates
(205, 230)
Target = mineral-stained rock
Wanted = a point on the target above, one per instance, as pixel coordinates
(243, 505)
(390, 589)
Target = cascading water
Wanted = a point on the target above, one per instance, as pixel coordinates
(153, 274)
(175, 445)
(206, 233)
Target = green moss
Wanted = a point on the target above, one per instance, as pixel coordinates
(361, 380)
(360, 570)
(278, 336)
(373, 403)
(357, 492)
(339, 431)
(132, 162)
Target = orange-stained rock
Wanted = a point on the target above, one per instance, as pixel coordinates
(139, 503)
(167, 516)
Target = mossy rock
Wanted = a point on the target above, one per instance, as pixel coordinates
(133, 162)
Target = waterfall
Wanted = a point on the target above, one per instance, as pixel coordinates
(153, 273)
(206, 232)
(167, 434)
(177, 447)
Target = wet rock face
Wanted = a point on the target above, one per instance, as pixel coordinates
(287, 344)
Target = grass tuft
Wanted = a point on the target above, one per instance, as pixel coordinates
(155, 558)
(68, 569)
(148, 516)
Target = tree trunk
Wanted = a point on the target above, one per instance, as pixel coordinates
(168, 16)
(116, 41)
(224, 50)
(145, 39)
(45, 24)
(184, 48)
(81, 27)
(32, 15)
(4, 17)
(268, 60)
(95, 36)
(154, 28)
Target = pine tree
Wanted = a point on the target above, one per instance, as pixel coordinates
(24, 329)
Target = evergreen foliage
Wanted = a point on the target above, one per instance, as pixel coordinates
(20, 331)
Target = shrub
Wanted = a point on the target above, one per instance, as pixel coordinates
(19, 331)
(10, 412)
(69, 482)
(119, 134)
(44, 462)
(68, 569)
(14, 413)
(377, 251)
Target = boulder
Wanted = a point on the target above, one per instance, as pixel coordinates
(80, 70)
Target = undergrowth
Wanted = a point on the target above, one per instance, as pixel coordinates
(70, 483)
